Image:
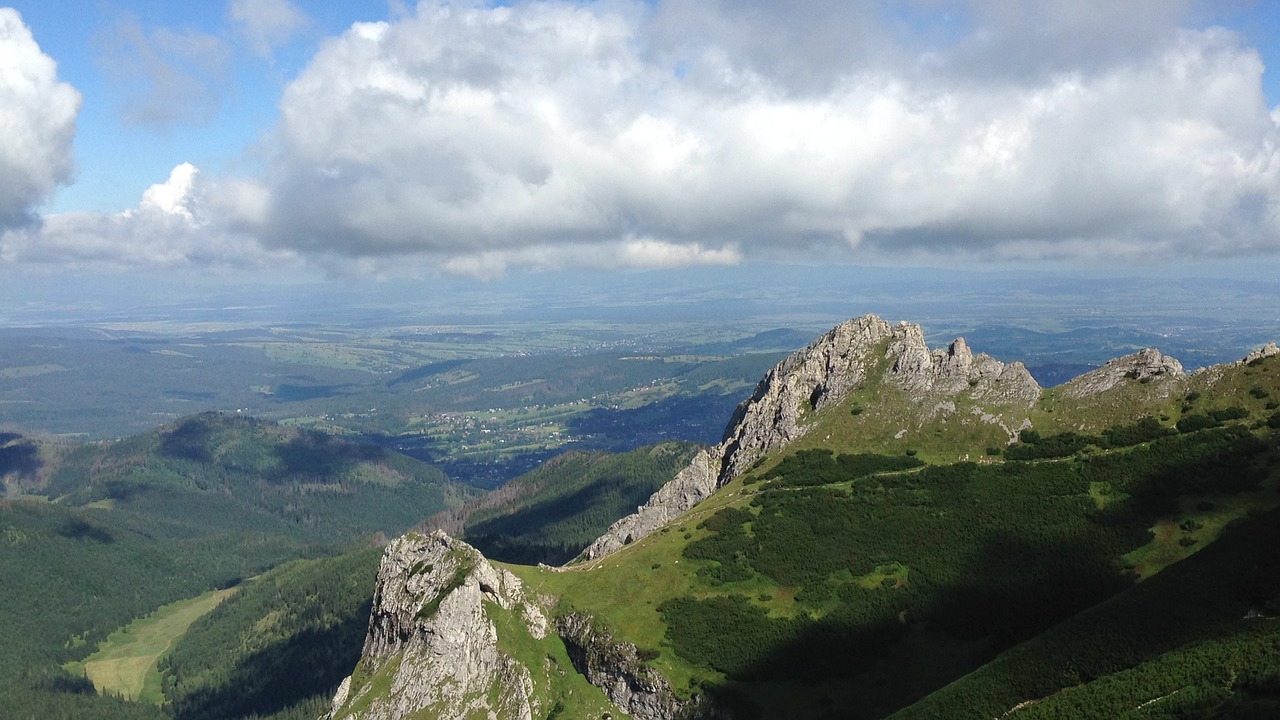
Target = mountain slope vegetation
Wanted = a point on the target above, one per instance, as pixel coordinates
(281, 644)
(1104, 548)
(550, 514)
(887, 555)
(105, 533)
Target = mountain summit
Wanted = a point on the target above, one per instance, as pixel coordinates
(819, 376)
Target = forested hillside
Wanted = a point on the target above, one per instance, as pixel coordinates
(550, 514)
(278, 647)
(105, 533)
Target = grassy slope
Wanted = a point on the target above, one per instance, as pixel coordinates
(280, 645)
(625, 589)
(558, 690)
(126, 663)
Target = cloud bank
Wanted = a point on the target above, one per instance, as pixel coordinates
(622, 134)
(479, 134)
(177, 225)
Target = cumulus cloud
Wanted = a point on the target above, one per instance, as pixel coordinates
(164, 77)
(547, 134)
(37, 123)
(177, 224)
(266, 24)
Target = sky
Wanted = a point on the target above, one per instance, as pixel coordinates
(366, 138)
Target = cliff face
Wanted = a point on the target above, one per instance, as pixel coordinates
(432, 647)
(819, 376)
(616, 668)
(434, 650)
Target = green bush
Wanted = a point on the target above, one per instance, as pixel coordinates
(1196, 421)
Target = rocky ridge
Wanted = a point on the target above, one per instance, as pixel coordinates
(1144, 364)
(430, 644)
(1261, 353)
(812, 379)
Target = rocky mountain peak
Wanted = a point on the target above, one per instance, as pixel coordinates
(431, 640)
(1261, 353)
(1146, 363)
(433, 650)
(810, 380)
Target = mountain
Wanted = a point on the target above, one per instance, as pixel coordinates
(95, 535)
(866, 351)
(319, 485)
(889, 529)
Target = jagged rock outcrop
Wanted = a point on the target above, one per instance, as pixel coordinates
(689, 487)
(616, 668)
(811, 380)
(1147, 363)
(1261, 353)
(431, 646)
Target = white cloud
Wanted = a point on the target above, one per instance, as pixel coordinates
(624, 134)
(266, 24)
(177, 225)
(549, 134)
(37, 123)
(172, 196)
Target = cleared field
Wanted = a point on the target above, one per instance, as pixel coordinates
(126, 663)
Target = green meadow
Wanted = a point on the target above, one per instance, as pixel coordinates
(126, 663)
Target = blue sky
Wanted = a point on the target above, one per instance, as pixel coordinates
(374, 138)
(116, 159)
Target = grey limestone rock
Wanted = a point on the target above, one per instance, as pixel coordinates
(430, 641)
(1261, 353)
(1147, 363)
(616, 668)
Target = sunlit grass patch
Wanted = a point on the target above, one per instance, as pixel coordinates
(126, 663)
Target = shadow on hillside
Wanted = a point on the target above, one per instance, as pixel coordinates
(320, 456)
(74, 528)
(896, 644)
(18, 457)
(699, 418)
(281, 675)
(190, 440)
(525, 537)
